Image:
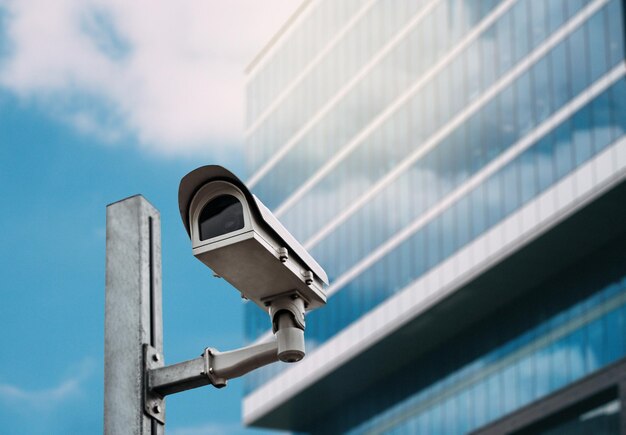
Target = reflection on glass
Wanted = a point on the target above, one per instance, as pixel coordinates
(598, 420)
(220, 216)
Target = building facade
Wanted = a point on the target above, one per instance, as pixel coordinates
(458, 168)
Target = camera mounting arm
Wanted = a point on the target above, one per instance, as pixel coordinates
(213, 367)
(216, 368)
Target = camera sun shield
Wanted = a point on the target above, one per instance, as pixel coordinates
(238, 238)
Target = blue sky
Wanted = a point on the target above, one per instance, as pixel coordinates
(100, 101)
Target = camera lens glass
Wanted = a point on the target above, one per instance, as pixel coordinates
(222, 215)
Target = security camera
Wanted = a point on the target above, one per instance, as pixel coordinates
(240, 240)
(237, 237)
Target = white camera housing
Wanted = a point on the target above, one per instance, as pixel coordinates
(237, 237)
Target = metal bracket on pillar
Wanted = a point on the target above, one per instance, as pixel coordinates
(212, 368)
(154, 403)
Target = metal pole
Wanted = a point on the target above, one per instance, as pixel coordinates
(133, 314)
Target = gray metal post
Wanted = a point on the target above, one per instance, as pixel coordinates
(133, 315)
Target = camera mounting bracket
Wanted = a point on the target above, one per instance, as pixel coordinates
(212, 367)
(153, 403)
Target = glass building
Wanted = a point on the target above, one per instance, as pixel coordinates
(458, 167)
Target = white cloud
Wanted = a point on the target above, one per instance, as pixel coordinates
(52, 396)
(167, 73)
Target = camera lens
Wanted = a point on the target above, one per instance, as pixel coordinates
(220, 216)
